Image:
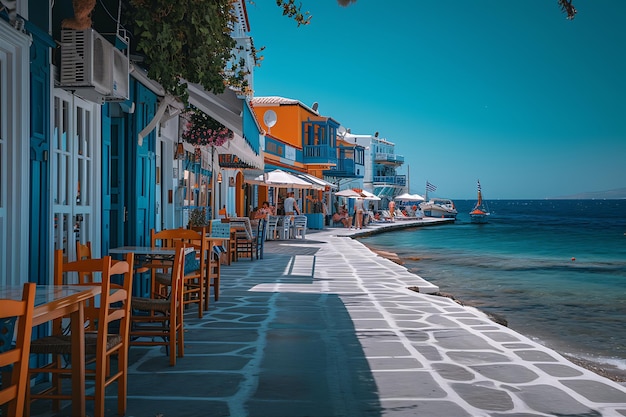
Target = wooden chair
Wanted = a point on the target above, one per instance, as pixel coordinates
(194, 278)
(13, 391)
(155, 319)
(106, 331)
(245, 239)
(83, 250)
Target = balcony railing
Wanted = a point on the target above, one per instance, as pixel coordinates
(391, 158)
(390, 180)
(346, 168)
(319, 154)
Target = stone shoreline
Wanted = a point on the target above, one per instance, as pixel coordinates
(612, 373)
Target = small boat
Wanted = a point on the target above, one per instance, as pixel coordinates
(437, 207)
(480, 213)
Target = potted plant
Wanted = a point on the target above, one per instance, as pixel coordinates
(197, 218)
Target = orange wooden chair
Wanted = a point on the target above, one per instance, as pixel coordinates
(106, 331)
(158, 318)
(13, 391)
(194, 269)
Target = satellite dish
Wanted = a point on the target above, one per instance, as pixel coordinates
(315, 106)
(270, 118)
(342, 131)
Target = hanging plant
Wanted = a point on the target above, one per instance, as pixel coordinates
(201, 129)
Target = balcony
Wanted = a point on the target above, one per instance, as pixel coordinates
(346, 168)
(319, 154)
(396, 180)
(388, 159)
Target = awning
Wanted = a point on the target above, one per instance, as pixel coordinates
(226, 107)
(239, 147)
(315, 180)
(282, 179)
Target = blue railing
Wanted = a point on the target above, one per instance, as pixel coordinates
(319, 154)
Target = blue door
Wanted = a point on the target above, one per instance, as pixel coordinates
(141, 176)
(113, 184)
(39, 151)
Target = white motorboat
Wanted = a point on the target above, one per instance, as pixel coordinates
(439, 207)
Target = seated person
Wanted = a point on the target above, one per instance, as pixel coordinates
(343, 217)
(265, 211)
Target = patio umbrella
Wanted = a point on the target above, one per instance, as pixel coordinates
(369, 196)
(348, 193)
(280, 178)
(409, 197)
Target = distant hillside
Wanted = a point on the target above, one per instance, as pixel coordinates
(616, 194)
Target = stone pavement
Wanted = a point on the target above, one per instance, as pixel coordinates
(322, 327)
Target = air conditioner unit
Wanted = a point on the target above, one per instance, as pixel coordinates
(92, 67)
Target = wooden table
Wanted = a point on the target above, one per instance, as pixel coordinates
(148, 251)
(56, 301)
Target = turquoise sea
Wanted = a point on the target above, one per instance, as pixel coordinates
(555, 269)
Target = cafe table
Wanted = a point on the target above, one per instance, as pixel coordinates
(56, 301)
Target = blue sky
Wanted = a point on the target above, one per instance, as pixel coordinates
(508, 92)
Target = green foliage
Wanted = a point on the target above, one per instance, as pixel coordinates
(198, 217)
(568, 8)
(295, 12)
(187, 39)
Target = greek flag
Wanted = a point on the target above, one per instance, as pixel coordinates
(478, 185)
(430, 187)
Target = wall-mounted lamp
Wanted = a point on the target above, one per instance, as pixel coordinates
(219, 177)
(180, 151)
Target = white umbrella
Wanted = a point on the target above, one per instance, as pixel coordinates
(409, 197)
(369, 196)
(348, 193)
(280, 178)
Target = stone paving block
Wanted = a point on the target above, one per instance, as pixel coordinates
(407, 384)
(460, 339)
(516, 346)
(535, 355)
(395, 363)
(509, 373)
(477, 357)
(596, 391)
(453, 372)
(226, 334)
(553, 401)
(558, 370)
(196, 385)
(413, 324)
(181, 406)
(377, 347)
(440, 321)
(370, 324)
(413, 408)
(484, 397)
(431, 353)
(213, 347)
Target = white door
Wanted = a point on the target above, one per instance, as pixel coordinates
(75, 171)
(14, 155)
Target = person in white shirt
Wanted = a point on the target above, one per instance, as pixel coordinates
(291, 207)
(359, 209)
